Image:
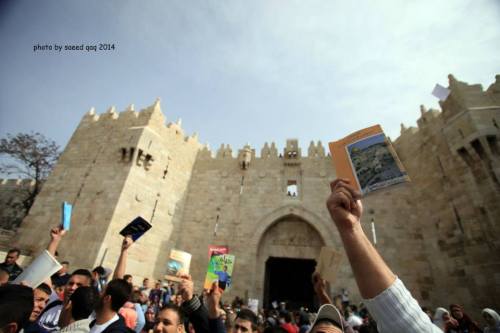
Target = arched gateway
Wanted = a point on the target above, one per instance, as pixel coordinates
(289, 241)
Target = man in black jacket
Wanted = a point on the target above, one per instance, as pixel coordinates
(10, 265)
(108, 320)
(192, 307)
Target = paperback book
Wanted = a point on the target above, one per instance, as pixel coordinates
(220, 269)
(177, 265)
(367, 158)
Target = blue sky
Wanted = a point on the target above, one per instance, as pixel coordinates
(242, 71)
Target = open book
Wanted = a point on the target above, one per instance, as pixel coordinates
(367, 158)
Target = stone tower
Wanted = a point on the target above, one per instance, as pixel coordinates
(453, 160)
(115, 167)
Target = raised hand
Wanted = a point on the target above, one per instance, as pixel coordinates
(57, 233)
(126, 243)
(213, 301)
(320, 287)
(186, 287)
(344, 204)
(319, 283)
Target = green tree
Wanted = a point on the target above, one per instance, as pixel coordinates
(29, 156)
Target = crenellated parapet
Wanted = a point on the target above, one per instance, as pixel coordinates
(466, 104)
(224, 152)
(21, 183)
(427, 117)
(316, 150)
(205, 153)
(464, 96)
(269, 151)
(407, 131)
(494, 91)
(151, 116)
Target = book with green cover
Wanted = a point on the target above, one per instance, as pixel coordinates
(220, 268)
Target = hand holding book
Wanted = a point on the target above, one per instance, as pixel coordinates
(186, 287)
(127, 242)
(344, 204)
(213, 301)
(57, 233)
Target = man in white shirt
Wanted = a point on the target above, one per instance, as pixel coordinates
(58, 310)
(387, 299)
(57, 313)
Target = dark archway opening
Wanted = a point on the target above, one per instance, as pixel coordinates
(289, 280)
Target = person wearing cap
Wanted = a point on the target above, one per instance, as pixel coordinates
(389, 302)
(328, 320)
(331, 312)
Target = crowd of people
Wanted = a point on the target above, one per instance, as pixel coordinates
(105, 301)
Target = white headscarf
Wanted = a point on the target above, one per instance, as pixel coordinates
(438, 318)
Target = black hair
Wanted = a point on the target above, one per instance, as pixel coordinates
(16, 250)
(16, 304)
(127, 276)
(99, 270)
(45, 288)
(83, 272)
(84, 301)
(247, 314)
(176, 309)
(120, 291)
(65, 262)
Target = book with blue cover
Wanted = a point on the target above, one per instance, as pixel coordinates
(136, 228)
(66, 210)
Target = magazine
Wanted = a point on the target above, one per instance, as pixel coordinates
(136, 228)
(177, 265)
(217, 249)
(329, 263)
(220, 268)
(367, 158)
(39, 270)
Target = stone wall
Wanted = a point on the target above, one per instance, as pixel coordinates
(438, 232)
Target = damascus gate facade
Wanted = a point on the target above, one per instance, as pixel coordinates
(439, 233)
